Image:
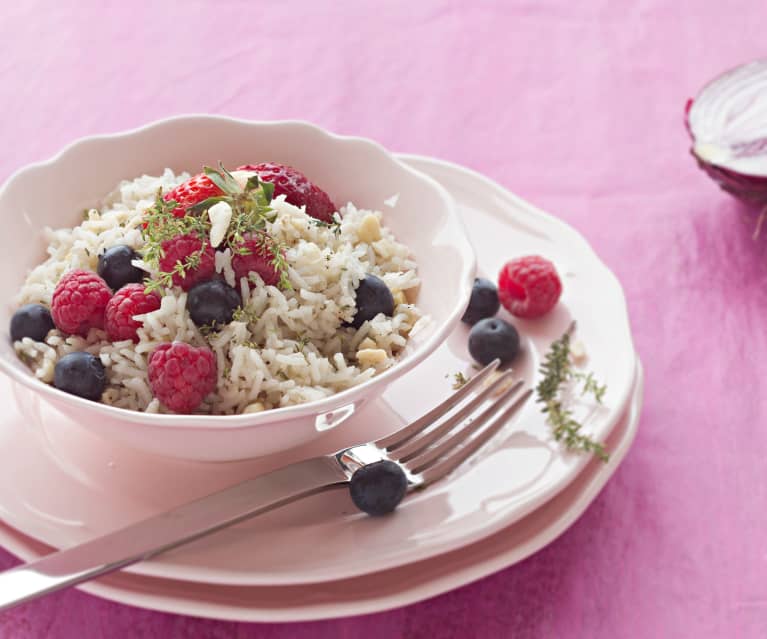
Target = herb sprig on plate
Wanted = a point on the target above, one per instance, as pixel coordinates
(558, 374)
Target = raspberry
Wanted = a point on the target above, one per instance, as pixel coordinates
(130, 300)
(259, 260)
(296, 188)
(529, 287)
(193, 191)
(177, 249)
(79, 301)
(181, 375)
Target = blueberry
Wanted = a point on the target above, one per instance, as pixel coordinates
(31, 320)
(373, 297)
(492, 337)
(115, 267)
(377, 488)
(483, 302)
(212, 302)
(80, 374)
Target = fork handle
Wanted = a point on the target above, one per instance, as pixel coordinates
(168, 530)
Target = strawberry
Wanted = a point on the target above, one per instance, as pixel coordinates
(195, 190)
(296, 188)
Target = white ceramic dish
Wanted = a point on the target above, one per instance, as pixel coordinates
(64, 485)
(351, 169)
(373, 592)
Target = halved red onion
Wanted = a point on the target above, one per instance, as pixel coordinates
(728, 126)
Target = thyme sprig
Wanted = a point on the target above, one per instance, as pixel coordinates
(301, 342)
(245, 314)
(160, 225)
(558, 373)
(334, 226)
(267, 245)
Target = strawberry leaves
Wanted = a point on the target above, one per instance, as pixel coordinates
(223, 179)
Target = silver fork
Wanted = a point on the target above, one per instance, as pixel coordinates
(427, 450)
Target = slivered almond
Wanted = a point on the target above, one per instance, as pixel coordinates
(369, 229)
(255, 407)
(242, 177)
(367, 343)
(411, 294)
(220, 215)
(371, 356)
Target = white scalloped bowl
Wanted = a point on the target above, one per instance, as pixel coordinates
(53, 193)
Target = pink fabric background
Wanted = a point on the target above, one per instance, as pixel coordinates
(576, 106)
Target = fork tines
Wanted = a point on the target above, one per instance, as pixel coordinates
(447, 435)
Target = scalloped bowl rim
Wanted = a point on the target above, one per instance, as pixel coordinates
(355, 394)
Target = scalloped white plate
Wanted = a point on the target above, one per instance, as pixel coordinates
(377, 591)
(63, 485)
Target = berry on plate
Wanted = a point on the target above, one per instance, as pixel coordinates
(79, 301)
(296, 188)
(373, 297)
(182, 375)
(80, 374)
(529, 287)
(130, 300)
(116, 269)
(483, 302)
(31, 320)
(212, 303)
(195, 190)
(189, 259)
(255, 255)
(492, 337)
(378, 488)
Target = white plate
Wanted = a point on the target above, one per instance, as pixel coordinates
(373, 592)
(63, 485)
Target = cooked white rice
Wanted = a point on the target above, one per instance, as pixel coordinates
(289, 347)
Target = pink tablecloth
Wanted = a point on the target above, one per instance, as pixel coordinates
(577, 108)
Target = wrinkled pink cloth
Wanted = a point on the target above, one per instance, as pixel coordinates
(576, 106)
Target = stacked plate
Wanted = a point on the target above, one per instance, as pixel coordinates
(320, 558)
